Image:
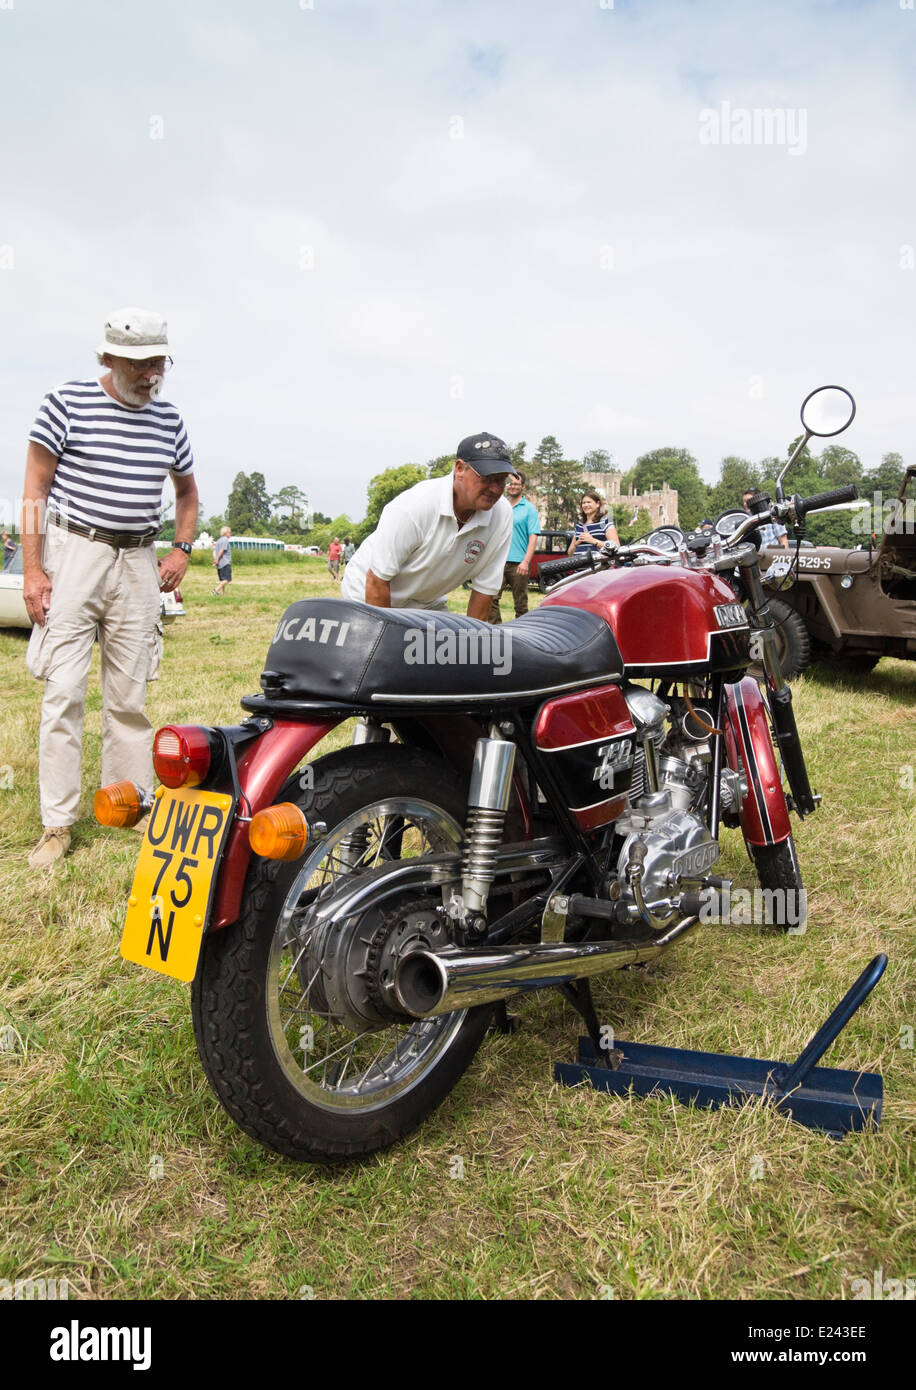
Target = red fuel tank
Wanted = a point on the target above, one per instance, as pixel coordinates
(668, 621)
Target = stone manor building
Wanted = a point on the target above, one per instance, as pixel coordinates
(660, 503)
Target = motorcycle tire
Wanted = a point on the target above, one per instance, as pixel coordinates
(254, 1006)
(793, 642)
(779, 874)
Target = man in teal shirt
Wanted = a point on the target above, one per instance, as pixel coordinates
(525, 529)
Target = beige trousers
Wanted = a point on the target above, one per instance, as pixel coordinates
(112, 595)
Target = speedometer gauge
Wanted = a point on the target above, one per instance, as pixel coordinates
(666, 538)
(729, 521)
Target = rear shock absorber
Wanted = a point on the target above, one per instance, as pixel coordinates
(488, 802)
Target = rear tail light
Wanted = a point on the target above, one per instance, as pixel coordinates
(279, 832)
(117, 805)
(181, 755)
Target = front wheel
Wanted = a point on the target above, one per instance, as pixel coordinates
(783, 892)
(294, 1017)
(793, 642)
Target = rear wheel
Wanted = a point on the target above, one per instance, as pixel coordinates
(781, 881)
(295, 1021)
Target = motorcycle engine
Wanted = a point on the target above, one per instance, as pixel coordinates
(661, 828)
(679, 848)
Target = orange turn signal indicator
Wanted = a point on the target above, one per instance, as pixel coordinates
(118, 804)
(279, 832)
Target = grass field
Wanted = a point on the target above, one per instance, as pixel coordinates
(120, 1172)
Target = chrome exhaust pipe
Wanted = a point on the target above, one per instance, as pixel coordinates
(440, 982)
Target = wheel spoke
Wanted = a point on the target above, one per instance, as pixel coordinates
(368, 1070)
(380, 842)
(344, 1047)
(346, 1063)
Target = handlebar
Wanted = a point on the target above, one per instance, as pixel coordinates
(735, 551)
(600, 558)
(820, 500)
(735, 558)
(567, 564)
(795, 510)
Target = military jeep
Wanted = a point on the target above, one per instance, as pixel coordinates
(856, 605)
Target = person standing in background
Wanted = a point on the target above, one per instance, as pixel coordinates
(525, 530)
(334, 552)
(594, 526)
(222, 559)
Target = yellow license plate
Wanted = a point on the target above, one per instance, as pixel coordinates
(174, 879)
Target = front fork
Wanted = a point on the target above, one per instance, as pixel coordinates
(779, 694)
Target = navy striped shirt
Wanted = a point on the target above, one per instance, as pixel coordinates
(112, 460)
(595, 531)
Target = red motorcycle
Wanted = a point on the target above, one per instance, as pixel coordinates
(523, 806)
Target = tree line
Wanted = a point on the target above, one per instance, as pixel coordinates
(556, 484)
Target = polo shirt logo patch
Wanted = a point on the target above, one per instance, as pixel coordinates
(472, 550)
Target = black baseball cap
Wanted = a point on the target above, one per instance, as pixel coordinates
(487, 454)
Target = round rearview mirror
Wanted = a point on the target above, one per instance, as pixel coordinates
(827, 411)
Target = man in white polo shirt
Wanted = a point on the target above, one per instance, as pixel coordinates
(440, 533)
(99, 453)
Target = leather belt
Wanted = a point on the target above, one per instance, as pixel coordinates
(120, 540)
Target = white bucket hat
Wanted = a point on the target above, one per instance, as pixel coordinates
(135, 333)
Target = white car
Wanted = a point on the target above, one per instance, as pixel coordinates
(12, 606)
(171, 606)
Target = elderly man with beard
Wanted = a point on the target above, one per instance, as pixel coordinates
(99, 452)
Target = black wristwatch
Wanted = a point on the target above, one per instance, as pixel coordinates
(182, 545)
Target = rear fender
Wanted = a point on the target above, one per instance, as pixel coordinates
(262, 770)
(764, 813)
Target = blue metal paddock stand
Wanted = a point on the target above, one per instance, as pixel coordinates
(820, 1097)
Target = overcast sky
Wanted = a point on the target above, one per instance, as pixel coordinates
(377, 227)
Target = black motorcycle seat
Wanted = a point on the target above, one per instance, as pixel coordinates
(335, 649)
